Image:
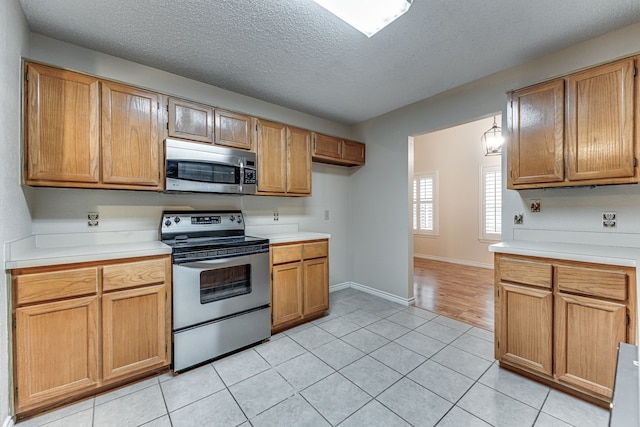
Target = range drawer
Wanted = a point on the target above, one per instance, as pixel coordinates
(610, 284)
(54, 285)
(526, 272)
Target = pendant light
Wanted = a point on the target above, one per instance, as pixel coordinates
(492, 140)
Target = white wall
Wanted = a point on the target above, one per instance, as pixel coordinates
(64, 210)
(457, 156)
(381, 250)
(16, 219)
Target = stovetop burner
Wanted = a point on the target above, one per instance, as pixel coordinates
(202, 235)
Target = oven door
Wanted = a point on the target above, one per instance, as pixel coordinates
(208, 290)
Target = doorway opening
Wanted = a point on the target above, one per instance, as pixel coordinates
(457, 191)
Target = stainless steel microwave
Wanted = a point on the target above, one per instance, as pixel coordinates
(204, 168)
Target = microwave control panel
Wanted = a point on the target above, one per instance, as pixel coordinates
(249, 176)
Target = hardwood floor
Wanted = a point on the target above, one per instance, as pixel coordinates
(454, 290)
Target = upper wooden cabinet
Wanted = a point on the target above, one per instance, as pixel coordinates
(284, 160)
(536, 152)
(62, 127)
(86, 132)
(578, 130)
(234, 130)
(190, 120)
(130, 136)
(337, 151)
(199, 122)
(298, 161)
(272, 157)
(600, 122)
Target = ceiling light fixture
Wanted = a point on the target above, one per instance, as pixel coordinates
(492, 140)
(367, 16)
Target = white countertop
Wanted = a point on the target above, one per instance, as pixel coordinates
(614, 255)
(297, 236)
(283, 233)
(55, 249)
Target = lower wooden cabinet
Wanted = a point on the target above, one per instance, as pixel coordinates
(56, 348)
(588, 331)
(286, 294)
(133, 331)
(562, 321)
(526, 317)
(299, 282)
(80, 328)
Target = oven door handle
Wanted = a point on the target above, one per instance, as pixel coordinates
(204, 264)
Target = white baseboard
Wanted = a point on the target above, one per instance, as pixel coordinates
(382, 294)
(339, 286)
(455, 261)
(8, 422)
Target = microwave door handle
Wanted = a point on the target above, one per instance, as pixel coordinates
(241, 174)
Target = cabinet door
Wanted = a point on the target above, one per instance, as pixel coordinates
(53, 359)
(233, 130)
(133, 331)
(316, 286)
(298, 161)
(190, 120)
(327, 146)
(286, 293)
(587, 335)
(272, 157)
(536, 123)
(353, 152)
(526, 327)
(130, 136)
(600, 122)
(62, 129)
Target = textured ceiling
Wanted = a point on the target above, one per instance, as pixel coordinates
(296, 54)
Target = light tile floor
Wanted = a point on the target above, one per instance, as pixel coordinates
(370, 362)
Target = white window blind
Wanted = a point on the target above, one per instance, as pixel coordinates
(491, 202)
(424, 203)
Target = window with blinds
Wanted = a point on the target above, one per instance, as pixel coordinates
(491, 200)
(424, 203)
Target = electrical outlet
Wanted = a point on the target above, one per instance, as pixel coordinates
(276, 216)
(326, 215)
(535, 205)
(518, 218)
(92, 219)
(609, 220)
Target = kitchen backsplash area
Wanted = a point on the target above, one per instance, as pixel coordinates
(64, 211)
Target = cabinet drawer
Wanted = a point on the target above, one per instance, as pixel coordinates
(315, 250)
(593, 282)
(132, 274)
(56, 285)
(288, 253)
(526, 272)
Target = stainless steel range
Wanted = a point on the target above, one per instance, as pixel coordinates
(221, 290)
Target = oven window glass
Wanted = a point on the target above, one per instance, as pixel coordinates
(208, 172)
(222, 283)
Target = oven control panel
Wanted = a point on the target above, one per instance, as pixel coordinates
(213, 219)
(190, 222)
